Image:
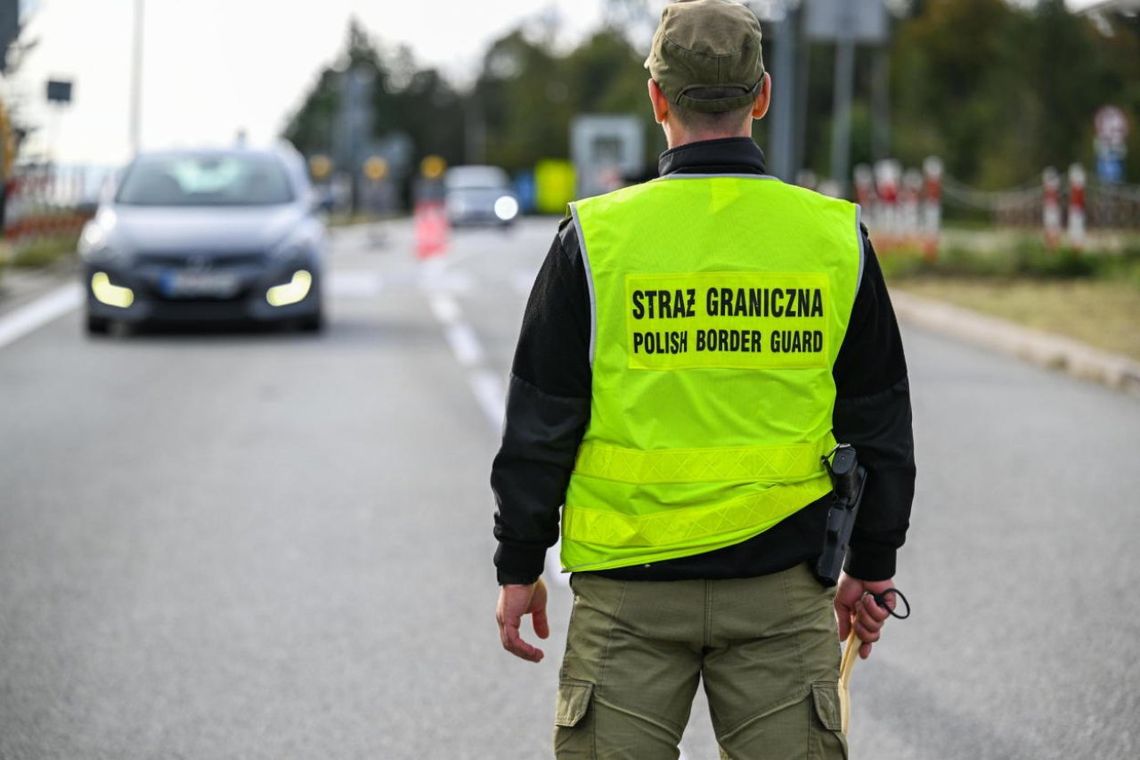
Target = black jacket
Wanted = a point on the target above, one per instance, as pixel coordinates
(548, 407)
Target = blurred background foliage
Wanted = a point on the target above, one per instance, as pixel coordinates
(999, 90)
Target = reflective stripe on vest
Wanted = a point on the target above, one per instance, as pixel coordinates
(761, 464)
(719, 306)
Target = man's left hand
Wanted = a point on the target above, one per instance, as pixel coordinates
(515, 601)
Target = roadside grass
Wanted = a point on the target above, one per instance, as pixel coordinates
(341, 219)
(43, 252)
(1092, 296)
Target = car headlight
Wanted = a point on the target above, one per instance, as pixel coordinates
(94, 242)
(506, 208)
(95, 238)
(295, 246)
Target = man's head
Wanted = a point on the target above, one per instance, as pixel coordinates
(707, 73)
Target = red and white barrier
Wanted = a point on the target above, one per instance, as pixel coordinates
(901, 208)
(1051, 205)
(910, 198)
(888, 173)
(932, 205)
(1076, 230)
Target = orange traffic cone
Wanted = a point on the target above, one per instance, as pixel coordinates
(431, 229)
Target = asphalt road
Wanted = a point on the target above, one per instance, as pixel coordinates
(262, 545)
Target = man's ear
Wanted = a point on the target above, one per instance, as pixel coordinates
(659, 101)
(763, 98)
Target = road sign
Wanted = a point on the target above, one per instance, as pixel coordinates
(320, 166)
(59, 90)
(433, 167)
(375, 168)
(1111, 143)
(859, 20)
(553, 185)
(9, 28)
(605, 148)
(1111, 125)
(1110, 169)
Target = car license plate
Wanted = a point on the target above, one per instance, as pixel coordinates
(208, 284)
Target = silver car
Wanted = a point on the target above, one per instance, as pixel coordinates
(206, 236)
(479, 195)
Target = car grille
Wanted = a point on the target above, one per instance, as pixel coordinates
(195, 260)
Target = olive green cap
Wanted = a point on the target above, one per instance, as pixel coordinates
(703, 44)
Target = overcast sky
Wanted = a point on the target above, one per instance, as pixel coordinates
(212, 67)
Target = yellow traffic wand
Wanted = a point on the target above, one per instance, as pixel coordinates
(846, 665)
(851, 654)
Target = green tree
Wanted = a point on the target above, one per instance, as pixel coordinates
(405, 98)
(524, 95)
(1000, 91)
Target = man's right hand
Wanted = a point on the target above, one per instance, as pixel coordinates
(514, 602)
(854, 606)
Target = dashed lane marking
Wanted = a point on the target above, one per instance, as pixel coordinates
(47, 308)
(465, 345)
(485, 384)
(488, 390)
(445, 309)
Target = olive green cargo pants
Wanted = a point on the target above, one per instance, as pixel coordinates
(766, 649)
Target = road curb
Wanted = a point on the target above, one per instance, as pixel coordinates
(1042, 348)
(19, 287)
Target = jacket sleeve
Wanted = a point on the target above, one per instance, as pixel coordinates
(548, 406)
(873, 413)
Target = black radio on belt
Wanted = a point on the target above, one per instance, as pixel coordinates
(847, 481)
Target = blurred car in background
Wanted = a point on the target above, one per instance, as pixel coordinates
(479, 195)
(197, 236)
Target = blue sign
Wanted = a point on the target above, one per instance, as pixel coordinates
(1110, 169)
(525, 190)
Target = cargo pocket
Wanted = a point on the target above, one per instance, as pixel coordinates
(573, 734)
(831, 741)
(573, 701)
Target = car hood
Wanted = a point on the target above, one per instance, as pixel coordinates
(204, 229)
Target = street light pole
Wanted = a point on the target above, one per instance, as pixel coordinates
(841, 110)
(136, 80)
(783, 136)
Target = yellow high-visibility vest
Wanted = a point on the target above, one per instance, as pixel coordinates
(719, 305)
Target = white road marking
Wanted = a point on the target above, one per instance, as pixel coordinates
(355, 284)
(486, 385)
(465, 345)
(490, 395)
(445, 309)
(45, 309)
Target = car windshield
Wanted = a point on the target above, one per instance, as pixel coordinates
(476, 177)
(205, 180)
